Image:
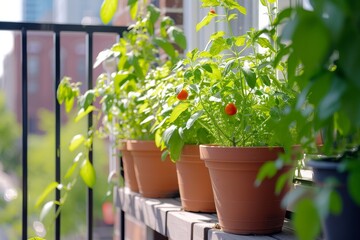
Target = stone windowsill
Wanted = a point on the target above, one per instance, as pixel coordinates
(167, 218)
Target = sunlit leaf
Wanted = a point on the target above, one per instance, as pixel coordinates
(267, 170)
(177, 111)
(107, 10)
(250, 76)
(83, 113)
(205, 21)
(193, 118)
(46, 209)
(76, 141)
(52, 186)
(87, 173)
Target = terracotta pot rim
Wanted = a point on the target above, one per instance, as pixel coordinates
(240, 147)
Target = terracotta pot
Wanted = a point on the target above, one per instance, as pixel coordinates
(194, 181)
(156, 178)
(128, 165)
(241, 207)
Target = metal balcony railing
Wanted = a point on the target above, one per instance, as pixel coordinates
(55, 29)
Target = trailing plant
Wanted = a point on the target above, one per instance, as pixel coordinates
(118, 101)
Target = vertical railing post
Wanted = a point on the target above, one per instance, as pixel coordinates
(57, 133)
(89, 43)
(24, 133)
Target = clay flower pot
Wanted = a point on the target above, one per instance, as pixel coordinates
(241, 207)
(194, 181)
(156, 178)
(128, 165)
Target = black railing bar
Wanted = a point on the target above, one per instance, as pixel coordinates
(24, 134)
(54, 27)
(57, 63)
(122, 213)
(89, 42)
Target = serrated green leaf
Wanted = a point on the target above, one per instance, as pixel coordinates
(178, 110)
(52, 186)
(205, 21)
(107, 10)
(87, 173)
(76, 141)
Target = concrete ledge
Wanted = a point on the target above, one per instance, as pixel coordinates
(166, 217)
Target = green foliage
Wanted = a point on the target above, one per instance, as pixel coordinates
(9, 132)
(322, 52)
(108, 10)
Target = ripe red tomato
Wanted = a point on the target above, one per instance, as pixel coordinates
(230, 109)
(183, 95)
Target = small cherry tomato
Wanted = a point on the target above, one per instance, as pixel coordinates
(183, 95)
(230, 109)
(212, 11)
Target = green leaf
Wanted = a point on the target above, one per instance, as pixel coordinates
(250, 77)
(107, 10)
(133, 4)
(233, 4)
(178, 35)
(217, 46)
(207, 67)
(306, 220)
(148, 119)
(76, 141)
(335, 202)
(176, 144)
(205, 21)
(87, 173)
(52, 186)
(240, 41)
(168, 133)
(87, 99)
(46, 209)
(166, 46)
(217, 35)
(265, 43)
(353, 185)
(83, 113)
(177, 111)
(36, 238)
(193, 118)
(281, 182)
(154, 13)
(69, 103)
(267, 170)
(265, 79)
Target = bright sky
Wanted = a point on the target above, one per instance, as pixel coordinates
(10, 11)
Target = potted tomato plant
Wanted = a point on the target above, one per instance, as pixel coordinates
(235, 98)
